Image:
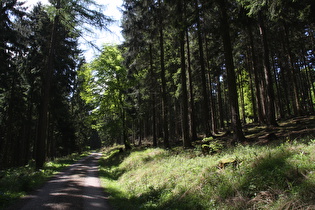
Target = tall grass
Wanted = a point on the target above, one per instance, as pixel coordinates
(264, 177)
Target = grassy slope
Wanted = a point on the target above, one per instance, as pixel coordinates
(17, 182)
(266, 177)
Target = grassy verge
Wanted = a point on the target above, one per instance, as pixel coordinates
(259, 177)
(17, 182)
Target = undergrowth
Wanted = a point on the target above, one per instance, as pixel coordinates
(261, 177)
(17, 182)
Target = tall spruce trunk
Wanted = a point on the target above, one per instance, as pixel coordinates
(292, 72)
(153, 100)
(124, 127)
(213, 110)
(9, 148)
(309, 81)
(206, 110)
(220, 103)
(286, 94)
(238, 135)
(192, 121)
(269, 96)
(41, 141)
(28, 128)
(163, 78)
(185, 124)
(278, 101)
(259, 101)
(249, 68)
(213, 115)
(242, 99)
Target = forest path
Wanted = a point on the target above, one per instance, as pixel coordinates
(78, 187)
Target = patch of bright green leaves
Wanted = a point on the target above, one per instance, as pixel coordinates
(211, 146)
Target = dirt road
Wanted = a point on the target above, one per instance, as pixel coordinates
(78, 187)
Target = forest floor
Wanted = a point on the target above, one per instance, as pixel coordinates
(289, 129)
(273, 169)
(77, 187)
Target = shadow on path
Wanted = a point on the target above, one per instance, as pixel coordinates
(78, 187)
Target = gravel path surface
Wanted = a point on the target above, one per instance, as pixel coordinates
(78, 187)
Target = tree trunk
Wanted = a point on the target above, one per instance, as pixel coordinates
(213, 111)
(238, 135)
(124, 129)
(184, 95)
(164, 94)
(220, 104)
(193, 131)
(290, 71)
(284, 85)
(9, 140)
(28, 128)
(278, 100)
(153, 101)
(213, 116)
(269, 97)
(206, 110)
(40, 156)
(310, 82)
(249, 68)
(259, 101)
(242, 100)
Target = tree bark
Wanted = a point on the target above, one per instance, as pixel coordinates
(185, 124)
(285, 89)
(153, 101)
(278, 101)
(269, 97)
(124, 128)
(193, 131)
(291, 73)
(213, 111)
(206, 110)
(213, 115)
(220, 104)
(242, 100)
(258, 94)
(309, 81)
(249, 68)
(238, 135)
(164, 94)
(41, 141)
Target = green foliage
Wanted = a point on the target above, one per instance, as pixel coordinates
(253, 6)
(211, 146)
(81, 15)
(279, 9)
(270, 177)
(104, 88)
(244, 90)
